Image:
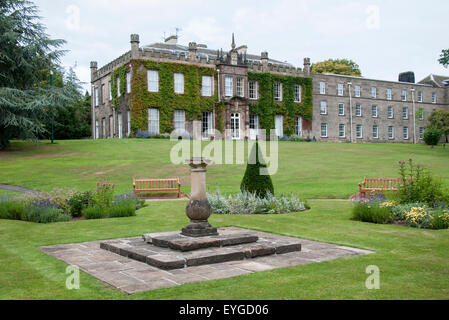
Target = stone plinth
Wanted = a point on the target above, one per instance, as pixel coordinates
(198, 210)
(170, 250)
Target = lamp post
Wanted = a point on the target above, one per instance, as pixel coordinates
(414, 116)
(350, 109)
(52, 112)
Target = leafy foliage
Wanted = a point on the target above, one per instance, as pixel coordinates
(337, 66)
(27, 56)
(253, 181)
(250, 203)
(166, 100)
(266, 108)
(371, 212)
(440, 119)
(444, 58)
(418, 184)
(432, 136)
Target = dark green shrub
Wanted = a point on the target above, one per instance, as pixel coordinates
(45, 215)
(79, 202)
(12, 209)
(94, 212)
(370, 212)
(432, 136)
(253, 181)
(122, 210)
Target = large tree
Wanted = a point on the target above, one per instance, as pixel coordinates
(337, 66)
(27, 55)
(444, 58)
(440, 120)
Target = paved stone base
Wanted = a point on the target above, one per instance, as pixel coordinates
(176, 241)
(171, 250)
(131, 276)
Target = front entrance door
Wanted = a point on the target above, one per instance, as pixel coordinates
(235, 126)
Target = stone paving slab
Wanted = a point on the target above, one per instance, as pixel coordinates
(131, 276)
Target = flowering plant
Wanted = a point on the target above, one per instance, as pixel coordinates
(104, 194)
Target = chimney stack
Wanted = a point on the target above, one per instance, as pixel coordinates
(93, 69)
(264, 58)
(192, 51)
(307, 66)
(135, 46)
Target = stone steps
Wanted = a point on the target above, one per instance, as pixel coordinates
(170, 251)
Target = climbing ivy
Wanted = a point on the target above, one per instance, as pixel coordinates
(267, 108)
(166, 100)
(119, 73)
(220, 117)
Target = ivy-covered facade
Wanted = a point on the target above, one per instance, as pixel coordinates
(153, 90)
(204, 93)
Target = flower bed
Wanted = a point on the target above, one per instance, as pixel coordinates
(417, 215)
(64, 205)
(249, 203)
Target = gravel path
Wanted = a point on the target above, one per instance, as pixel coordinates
(17, 189)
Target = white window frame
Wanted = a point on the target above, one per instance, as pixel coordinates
(421, 133)
(389, 95)
(405, 113)
(179, 120)
(279, 125)
(323, 104)
(376, 131)
(434, 97)
(375, 111)
(278, 91)
(128, 119)
(324, 129)
(206, 86)
(358, 110)
(120, 125)
(404, 95)
(97, 98)
(298, 126)
(240, 87)
(103, 93)
(97, 129)
(341, 107)
(110, 90)
(178, 79)
(118, 87)
(235, 126)
(390, 112)
(373, 92)
(340, 89)
(153, 80)
(298, 93)
(406, 133)
(340, 126)
(253, 126)
(229, 86)
(391, 133)
(359, 131)
(207, 124)
(322, 87)
(128, 82)
(357, 91)
(153, 121)
(253, 90)
(420, 96)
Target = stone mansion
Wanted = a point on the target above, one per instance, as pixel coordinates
(166, 86)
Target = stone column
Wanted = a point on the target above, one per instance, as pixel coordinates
(198, 210)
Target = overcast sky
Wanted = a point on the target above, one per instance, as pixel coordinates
(384, 37)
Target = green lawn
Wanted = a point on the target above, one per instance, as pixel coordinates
(413, 262)
(311, 170)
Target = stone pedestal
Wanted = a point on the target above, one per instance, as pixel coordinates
(198, 210)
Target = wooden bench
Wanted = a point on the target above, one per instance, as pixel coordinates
(379, 185)
(156, 186)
